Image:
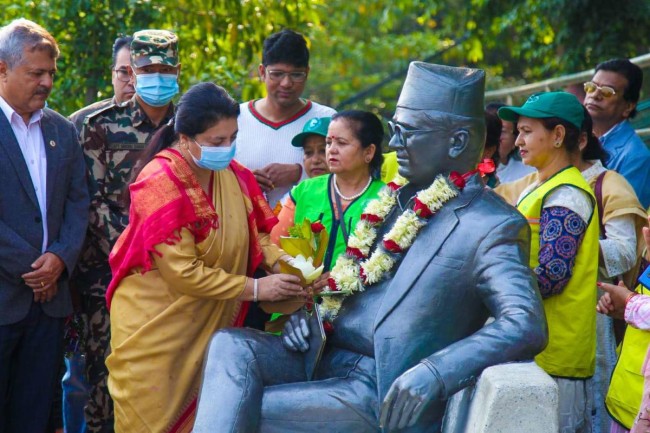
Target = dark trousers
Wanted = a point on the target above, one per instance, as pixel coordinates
(99, 408)
(31, 352)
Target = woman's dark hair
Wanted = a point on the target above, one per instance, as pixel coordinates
(200, 108)
(571, 135)
(368, 129)
(492, 129)
(493, 108)
(286, 46)
(594, 149)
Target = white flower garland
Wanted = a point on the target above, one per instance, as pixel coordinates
(358, 268)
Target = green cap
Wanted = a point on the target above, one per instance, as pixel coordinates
(154, 47)
(317, 126)
(547, 104)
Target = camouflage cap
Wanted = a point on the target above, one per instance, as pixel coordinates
(154, 47)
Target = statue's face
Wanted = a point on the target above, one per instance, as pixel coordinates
(421, 144)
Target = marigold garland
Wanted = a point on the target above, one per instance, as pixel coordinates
(359, 268)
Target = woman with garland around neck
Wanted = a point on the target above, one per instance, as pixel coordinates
(354, 159)
(199, 227)
(561, 210)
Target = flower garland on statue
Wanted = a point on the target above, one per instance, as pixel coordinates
(359, 268)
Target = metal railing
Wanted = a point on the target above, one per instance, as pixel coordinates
(507, 94)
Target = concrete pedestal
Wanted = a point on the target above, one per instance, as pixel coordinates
(508, 398)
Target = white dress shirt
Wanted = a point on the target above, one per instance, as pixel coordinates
(32, 146)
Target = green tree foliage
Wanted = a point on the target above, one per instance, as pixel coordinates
(360, 49)
(360, 44)
(85, 31)
(515, 41)
(532, 40)
(219, 40)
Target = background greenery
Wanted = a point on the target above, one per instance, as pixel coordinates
(360, 49)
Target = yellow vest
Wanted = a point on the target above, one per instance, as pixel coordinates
(571, 315)
(389, 167)
(625, 393)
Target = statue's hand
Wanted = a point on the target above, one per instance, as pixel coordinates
(296, 332)
(407, 397)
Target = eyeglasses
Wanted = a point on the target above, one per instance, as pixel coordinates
(122, 75)
(606, 91)
(295, 77)
(402, 133)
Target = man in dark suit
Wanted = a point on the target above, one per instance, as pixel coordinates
(404, 345)
(43, 217)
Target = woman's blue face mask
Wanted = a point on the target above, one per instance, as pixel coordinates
(215, 158)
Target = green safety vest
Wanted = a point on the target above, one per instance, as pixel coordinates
(313, 200)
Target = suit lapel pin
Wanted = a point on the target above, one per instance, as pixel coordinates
(52, 143)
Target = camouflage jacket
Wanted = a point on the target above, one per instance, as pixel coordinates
(112, 140)
(79, 116)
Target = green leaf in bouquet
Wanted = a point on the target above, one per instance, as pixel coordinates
(322, 239)
(294, 246)
(295, 231)
(306, 230)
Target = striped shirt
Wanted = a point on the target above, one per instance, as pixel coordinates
(261, 142)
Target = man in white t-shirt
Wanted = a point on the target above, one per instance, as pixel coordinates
(267, 125)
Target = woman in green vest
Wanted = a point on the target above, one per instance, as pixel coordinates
(560, 208)
(354, 158)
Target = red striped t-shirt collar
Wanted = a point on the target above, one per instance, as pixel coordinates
(277, 125)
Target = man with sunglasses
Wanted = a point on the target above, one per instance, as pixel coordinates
(267, 125)
(120, 78)
(611, 98)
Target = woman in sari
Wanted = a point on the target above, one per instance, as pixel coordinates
(198, 226)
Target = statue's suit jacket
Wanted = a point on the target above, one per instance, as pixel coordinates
(468, 263)
(21, 233)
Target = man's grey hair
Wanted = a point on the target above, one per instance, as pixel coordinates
(23, 35)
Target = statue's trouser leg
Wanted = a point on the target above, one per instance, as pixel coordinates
(248, 370)
(239, 363)
(342, 399)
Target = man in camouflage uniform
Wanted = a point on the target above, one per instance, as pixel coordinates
(112, 140)
(73, 391)
(120, 78)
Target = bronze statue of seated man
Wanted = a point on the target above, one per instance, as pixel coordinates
(416, 334)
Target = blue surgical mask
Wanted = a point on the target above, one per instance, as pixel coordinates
(215, 158)
(156, 89)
